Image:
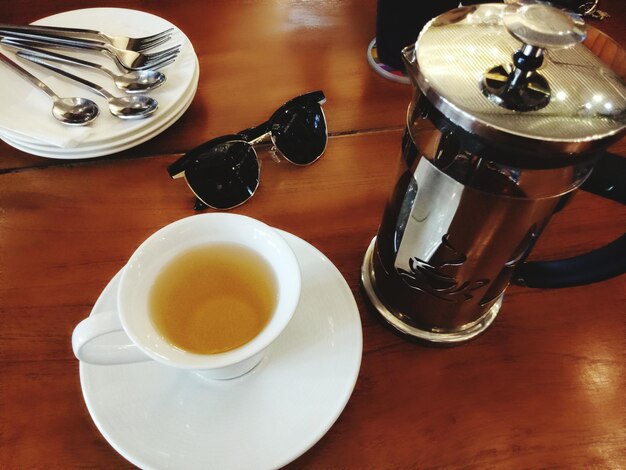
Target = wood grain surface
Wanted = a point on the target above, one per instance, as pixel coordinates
(544, 387)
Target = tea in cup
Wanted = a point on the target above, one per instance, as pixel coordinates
(208, 293)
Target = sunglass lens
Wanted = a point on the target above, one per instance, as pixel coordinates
(225, 175)
(300, 132)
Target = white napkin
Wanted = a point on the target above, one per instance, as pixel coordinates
(26, 112)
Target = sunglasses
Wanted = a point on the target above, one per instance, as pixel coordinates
(224, 172)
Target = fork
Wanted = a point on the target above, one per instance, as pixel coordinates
(126, 59)
(137, 44)
(136, 81)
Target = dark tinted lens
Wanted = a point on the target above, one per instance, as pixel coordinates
(225, 175)
(300, 132)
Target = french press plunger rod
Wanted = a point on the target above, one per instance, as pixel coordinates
(538, 28)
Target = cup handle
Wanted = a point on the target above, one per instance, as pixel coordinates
(95, 326)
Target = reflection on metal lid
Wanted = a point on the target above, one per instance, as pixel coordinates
(585, 99)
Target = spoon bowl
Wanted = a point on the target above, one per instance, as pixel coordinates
(123, 107)
(70, 111)
(75, 111)
(132, 106)
(139, 81)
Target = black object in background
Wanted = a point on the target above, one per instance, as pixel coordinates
(399, 22)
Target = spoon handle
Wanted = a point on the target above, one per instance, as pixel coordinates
(28, 76)
(95, 87)
(54, 56)
(53, 39)
(75, 32)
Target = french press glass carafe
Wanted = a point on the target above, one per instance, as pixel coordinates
(510, 113)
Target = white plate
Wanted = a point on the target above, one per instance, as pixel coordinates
(159, 417)
(26, 110)
(99, 150)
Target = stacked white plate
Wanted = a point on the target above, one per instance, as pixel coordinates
(26, 120)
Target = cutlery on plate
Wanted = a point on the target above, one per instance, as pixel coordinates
(138, 44)
(123, 107)
(136, 81)
(71, 111)
(129, 60)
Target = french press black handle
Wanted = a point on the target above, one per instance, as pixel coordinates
(608, 180)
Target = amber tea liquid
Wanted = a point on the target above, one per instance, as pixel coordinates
(213, 298)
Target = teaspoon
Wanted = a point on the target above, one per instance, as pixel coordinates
(70, 111)
(123, 107)
(136, 81)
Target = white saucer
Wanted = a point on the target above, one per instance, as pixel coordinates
(27, 118)
(158, 417)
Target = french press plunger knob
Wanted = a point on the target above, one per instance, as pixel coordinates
(521, 87)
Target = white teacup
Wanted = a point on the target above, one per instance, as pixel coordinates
(95, 340)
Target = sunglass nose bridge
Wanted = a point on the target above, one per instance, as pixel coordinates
(273, 150)
(273, 154)
(261, 138)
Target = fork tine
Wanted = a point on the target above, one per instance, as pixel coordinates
(151, 62)
(145, 45)
(139, 60)
(156, 60)
(164, 63)
(164, 52)
(168, 32)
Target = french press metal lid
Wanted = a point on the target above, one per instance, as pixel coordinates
(519, 76)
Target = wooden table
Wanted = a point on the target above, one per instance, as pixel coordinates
(544, 387)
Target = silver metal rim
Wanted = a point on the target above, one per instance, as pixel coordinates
(449, 337)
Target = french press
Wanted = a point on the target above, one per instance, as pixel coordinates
(510, 114)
